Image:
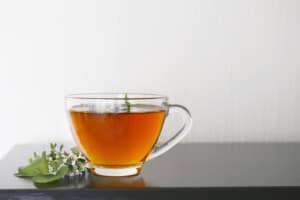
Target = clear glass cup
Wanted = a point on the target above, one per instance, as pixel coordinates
(118, 132)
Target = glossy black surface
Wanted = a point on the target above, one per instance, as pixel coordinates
(188, 169)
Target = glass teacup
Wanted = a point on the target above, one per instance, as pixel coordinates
(118, 132)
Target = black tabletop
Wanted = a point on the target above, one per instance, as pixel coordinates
(202, 169)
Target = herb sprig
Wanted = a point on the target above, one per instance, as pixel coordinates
(52, 166)
(127, 103)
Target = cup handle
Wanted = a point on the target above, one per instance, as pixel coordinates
(187, 125)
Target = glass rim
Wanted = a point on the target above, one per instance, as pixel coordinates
(116, 96)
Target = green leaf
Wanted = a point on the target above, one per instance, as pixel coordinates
(52, 146)
(51, 166)
(128, 105)
(51, 177)
(36, 168)
(75, 150)
(35, 155)
(61, 147)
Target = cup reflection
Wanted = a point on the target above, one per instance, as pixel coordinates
(94, 181)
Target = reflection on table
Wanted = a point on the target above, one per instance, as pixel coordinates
(89, 180)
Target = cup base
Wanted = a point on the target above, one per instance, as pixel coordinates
(104, 171)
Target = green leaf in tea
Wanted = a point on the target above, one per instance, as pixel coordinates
(128, 105)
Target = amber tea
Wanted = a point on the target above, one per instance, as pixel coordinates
(117, 139)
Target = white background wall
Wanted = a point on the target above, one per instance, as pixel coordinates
(234, 63)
